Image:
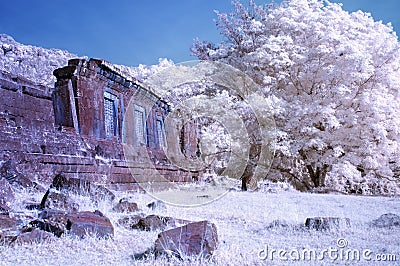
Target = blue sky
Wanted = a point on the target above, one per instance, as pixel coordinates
(133, 32)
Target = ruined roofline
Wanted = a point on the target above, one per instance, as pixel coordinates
(113, 68)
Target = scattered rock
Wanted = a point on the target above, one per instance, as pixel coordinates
(387, 220)
(98, 193)
(194, 239)
(6, 239)
(82, 223)
(6, 193)
(9, 172)
(157, 205)
(4, 208)
(51, 221)
(327, 223)
(7, 223)
(125, 206)
(54, 199)
(55, 228)
(33, 236)
(144, 255)
(130, 220)
(153, 222)
(278, 224)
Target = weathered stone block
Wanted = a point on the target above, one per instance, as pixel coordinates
(82, 223)
(153, 222)
(157, 205)
(387, 220)
(128, 221)
(125, 206)
(33, 236)
(65, 72)
(327, 223)
(194, 239)
(7, 222)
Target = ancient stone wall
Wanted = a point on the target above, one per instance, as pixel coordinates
(47, 131)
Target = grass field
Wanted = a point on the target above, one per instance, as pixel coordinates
(250, 225)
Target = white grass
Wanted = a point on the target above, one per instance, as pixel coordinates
(242, 220)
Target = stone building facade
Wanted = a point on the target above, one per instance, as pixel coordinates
(77, 128)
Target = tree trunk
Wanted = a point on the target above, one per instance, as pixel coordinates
(244, 184)
(317, 176)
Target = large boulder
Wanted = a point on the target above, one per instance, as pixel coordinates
(195, 239)
(327, 223)
(82, 223)
(77, 224)
(387, 220)
(78, 186)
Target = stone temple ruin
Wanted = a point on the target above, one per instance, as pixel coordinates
(76, 128)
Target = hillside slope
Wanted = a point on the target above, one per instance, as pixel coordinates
(37, 64)
(34, 63)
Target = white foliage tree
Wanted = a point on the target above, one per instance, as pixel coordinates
(333, 80)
